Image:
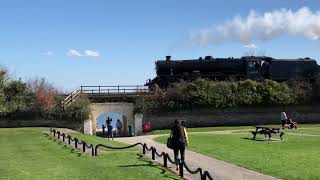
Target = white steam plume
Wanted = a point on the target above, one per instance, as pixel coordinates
(261, 27)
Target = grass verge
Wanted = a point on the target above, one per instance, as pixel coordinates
(27, 153)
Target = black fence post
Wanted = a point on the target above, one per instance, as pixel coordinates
(58, 134)
(92, 151)
(165, 160)
(75, 142)
(153, 153)
(83, 146)
(69, 137)
(202, 176)
(96, 151)
(54, 133)
(63, 136)
(181, 169)
(144, 148)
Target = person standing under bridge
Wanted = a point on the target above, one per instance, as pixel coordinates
(110, 128)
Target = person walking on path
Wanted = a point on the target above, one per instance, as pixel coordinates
(109, 127)
(178, 140)
(119, 127)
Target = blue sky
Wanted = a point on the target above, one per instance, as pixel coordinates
(98, 42)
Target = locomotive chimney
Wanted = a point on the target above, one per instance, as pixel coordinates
(168, 58)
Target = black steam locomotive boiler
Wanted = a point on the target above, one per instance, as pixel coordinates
(248, 67)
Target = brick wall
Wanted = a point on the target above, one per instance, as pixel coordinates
(234, 116)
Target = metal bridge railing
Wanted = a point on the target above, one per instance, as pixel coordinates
(114, 90)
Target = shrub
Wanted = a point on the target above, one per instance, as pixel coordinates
(79, 111)
(205, 93)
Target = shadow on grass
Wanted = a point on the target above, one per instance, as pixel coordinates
(148, 164)
(63, 145)
(262, 140)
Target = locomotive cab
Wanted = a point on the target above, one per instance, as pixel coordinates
(257, 68)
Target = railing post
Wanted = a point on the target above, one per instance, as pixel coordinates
(181, 169)
(165, 160)
(75, 142)
(153, 153)
(144, 148)
(81, 89)
(83, 146)
(99, 89)
(96, 151)
(92, 151)
(137, 90)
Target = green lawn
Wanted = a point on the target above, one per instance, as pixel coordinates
(204, 129)
(296, 157)
(27, 153)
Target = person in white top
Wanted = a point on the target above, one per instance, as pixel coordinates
(283, 119)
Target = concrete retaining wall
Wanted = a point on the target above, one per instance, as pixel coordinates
(234, 116)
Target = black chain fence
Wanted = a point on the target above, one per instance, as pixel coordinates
(204, 175)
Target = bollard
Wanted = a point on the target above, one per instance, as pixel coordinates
(181, 168)
(165, 160)
(75, 142)
(153, 153)
(69, 139)
(83, 146)
(144, 148)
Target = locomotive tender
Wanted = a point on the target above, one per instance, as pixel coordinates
(247, 67)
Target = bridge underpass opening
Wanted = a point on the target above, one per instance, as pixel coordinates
(100, 112)
(114, 116)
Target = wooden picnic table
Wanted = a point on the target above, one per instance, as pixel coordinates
(267, 130)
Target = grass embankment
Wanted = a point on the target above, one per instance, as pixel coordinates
(296, 157)
(27, 153)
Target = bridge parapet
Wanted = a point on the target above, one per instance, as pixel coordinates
(115, 91)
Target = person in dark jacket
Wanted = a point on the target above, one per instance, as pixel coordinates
(178, 141)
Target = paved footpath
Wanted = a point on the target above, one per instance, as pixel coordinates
(219, 170)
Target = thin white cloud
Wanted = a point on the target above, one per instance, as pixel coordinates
(73, 52)
(261, 27)
(91, 53)
(251, 46)
(86, 53)
(48, 53)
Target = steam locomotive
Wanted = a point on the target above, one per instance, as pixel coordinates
(247, 67)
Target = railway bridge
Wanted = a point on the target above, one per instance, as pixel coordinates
(112, 99)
